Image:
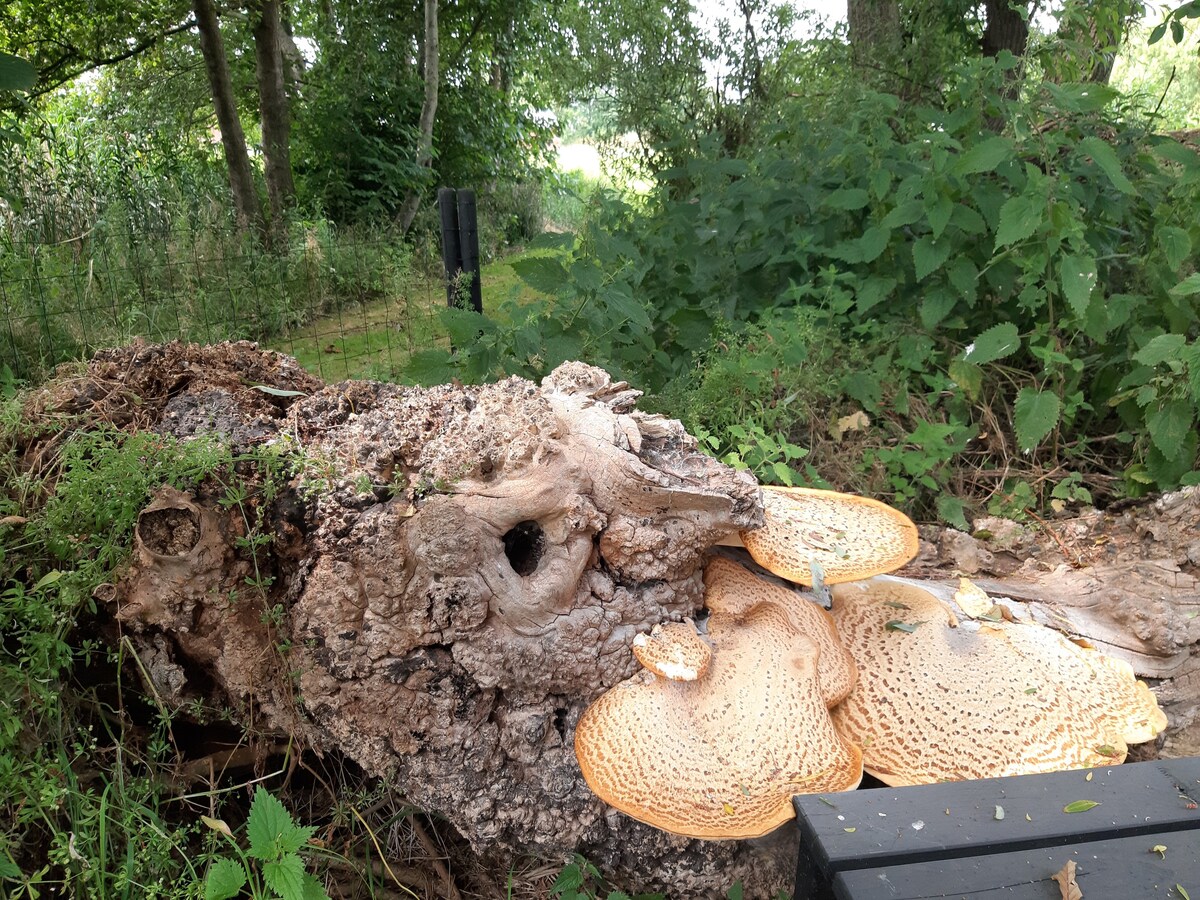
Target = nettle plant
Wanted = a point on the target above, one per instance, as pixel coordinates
(270, 866)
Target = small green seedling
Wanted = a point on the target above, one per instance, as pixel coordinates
(271, 867)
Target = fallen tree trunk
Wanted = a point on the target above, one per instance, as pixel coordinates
(437, 582)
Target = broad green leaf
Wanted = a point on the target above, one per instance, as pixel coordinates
(1079, 806)
(937, 214)
(1106, 158)
(1169, 425)
(1166, 472)
(848, 199)
(965, 277)
(16, 74)
(1187, 287)
(1160, 349)
(1078, 274)
(285, 876)
(881, 183)
(1176, 244)
(627, 307)
(569, 879)
(984, 156)
(936, 305)
(1020, 217)
(995, 343)
(951, 511)
(270, 827)
(225, 879)
(873, 242)
(905, 214)
(1156, 33)
(542, 273)
(313, 889)
(929, 255)
(1191, 358)
(1035, 413)
(873, 291)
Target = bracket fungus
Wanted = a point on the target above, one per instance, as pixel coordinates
(844, 536)
(673, 650)
(939, 699)
(722, 755)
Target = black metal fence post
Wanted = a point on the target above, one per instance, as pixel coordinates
(451, 258)
(468, 247)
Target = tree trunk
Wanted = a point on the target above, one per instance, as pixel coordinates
(412, 203)
(1006, 28)
(875, 32)
(276, 119)
(233, 140)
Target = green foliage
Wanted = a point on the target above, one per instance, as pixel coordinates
(580, 880)
(271, 863)
(1054, 252)
(73, 823)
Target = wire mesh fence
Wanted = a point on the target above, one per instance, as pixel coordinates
(345, 306)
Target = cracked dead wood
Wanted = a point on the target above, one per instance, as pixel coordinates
(452, 575)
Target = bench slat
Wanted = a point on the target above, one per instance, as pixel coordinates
(1124, 869)
(894, 826)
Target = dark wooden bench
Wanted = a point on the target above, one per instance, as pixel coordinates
(948, 840)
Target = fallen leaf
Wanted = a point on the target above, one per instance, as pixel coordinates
(1182, 892)
(971, 599)
(906, 627)
(1088, 777)
(896, 604)
(1066, 882)
(217, 825)
(13, 520)
(1160, 849)
(856, 421)
(729, 810)
(1080, 806)
(999, 813)
(849, 830)
(1108, 750)
(1028, 818)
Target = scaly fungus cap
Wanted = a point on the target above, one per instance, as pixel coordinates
(720, 756)
(942, 700)
(733, 591)
(673, 650)
(849, 537)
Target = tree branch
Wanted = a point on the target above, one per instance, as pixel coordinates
(141, 47)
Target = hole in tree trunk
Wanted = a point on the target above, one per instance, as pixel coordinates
(523, 545)
(170, 531)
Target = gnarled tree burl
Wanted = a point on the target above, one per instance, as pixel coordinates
(460, 571)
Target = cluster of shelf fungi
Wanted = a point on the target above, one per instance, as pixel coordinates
(780, 697)
(458, 579)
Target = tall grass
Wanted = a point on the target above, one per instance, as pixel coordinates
(105, 236)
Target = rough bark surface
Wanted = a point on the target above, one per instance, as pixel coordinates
(273, 104)
(457, 572)
(233, 139)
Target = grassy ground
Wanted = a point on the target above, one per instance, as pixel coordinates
(375, 340)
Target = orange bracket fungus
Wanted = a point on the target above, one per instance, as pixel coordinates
(720, 756)
(939, 699)
(846, 536)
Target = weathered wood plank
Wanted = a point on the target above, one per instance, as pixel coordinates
(896, 827)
